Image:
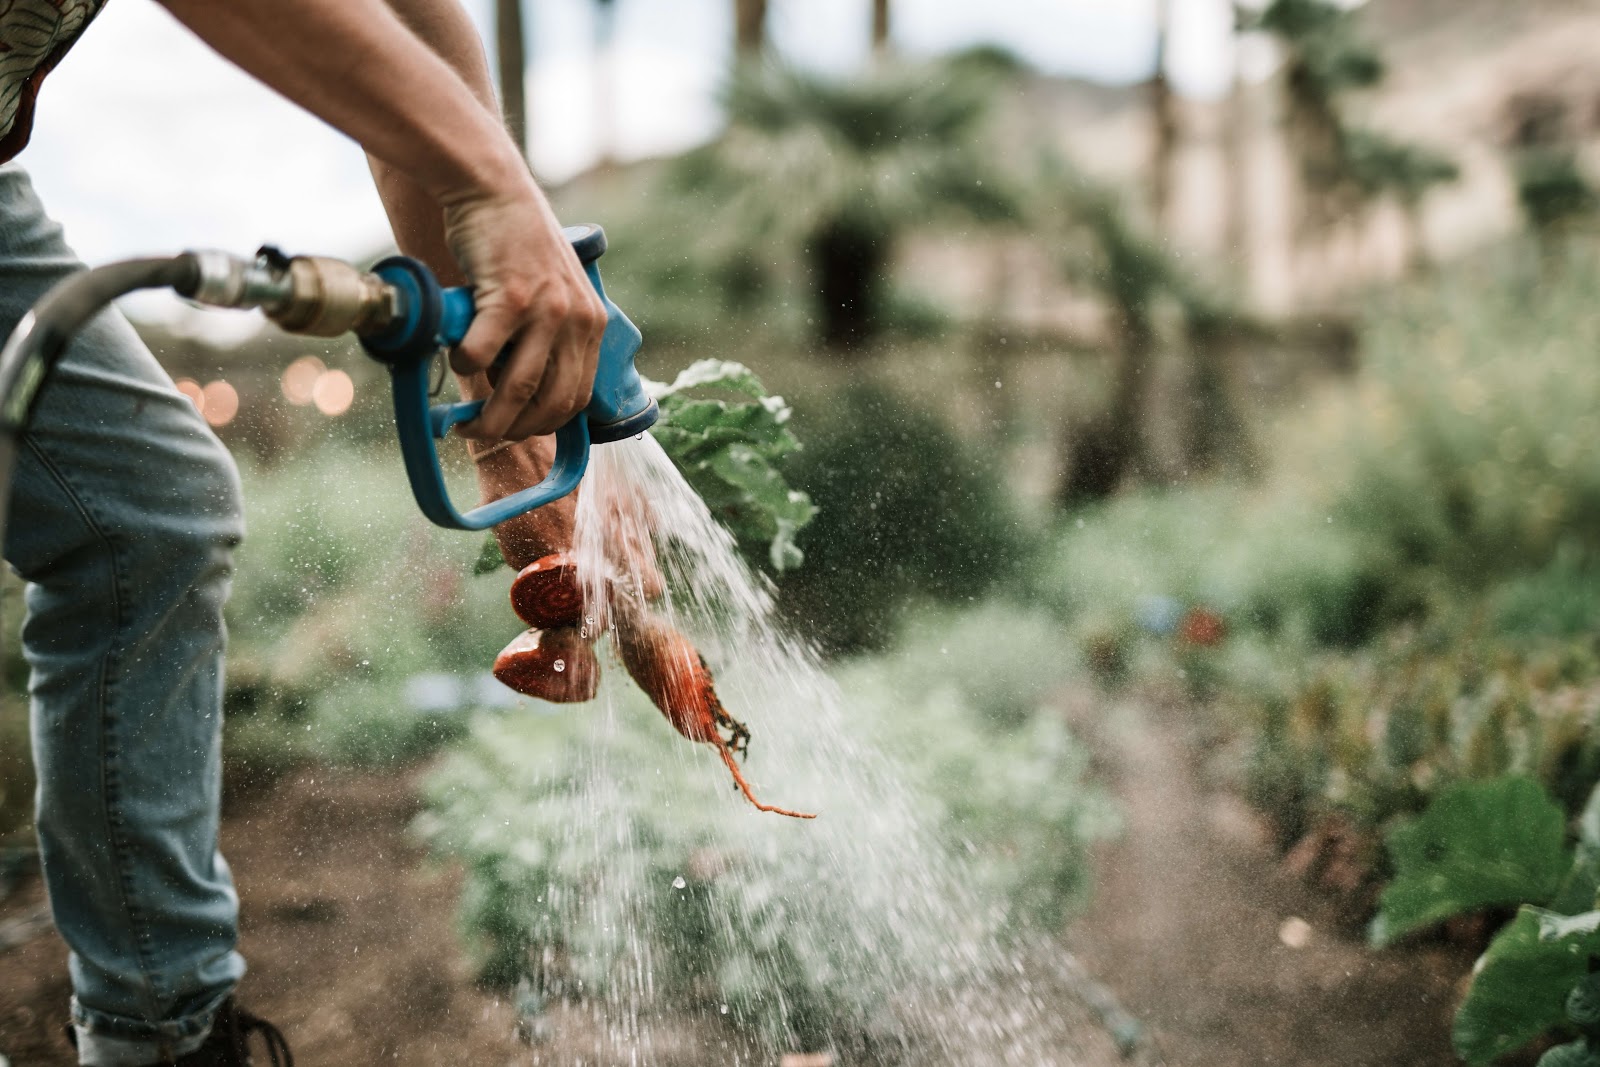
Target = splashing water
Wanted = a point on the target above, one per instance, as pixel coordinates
(858, 932)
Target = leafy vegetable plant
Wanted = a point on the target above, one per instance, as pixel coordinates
(1496, 843)
(728, 451)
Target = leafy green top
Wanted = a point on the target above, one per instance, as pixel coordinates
(728, 451)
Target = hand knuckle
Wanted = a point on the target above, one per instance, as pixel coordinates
(520, 390)
(557, 306)
(518, 294)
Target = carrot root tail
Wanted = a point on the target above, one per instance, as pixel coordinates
(744, 786)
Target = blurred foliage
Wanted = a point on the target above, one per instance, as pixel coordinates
(906, 510)
(1552, 188)
(1409, 586)
(1343, 166)
(1329, 52)
(727, 911)
(833, 171)
(1380, 734)
(339, 600)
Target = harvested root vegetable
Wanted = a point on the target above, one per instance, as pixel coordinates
(555, 665)
(547, 594)
(670, 670)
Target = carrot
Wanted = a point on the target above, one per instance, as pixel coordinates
(671, 671)
(547, 594)
(555, 665)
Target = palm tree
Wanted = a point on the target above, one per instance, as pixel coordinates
(836, 171)
(1381, 168)
(512, 63)
(1325, 59)
(1104, 251)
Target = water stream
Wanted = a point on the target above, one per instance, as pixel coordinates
(860, 932)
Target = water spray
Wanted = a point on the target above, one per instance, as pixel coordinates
(403, 318)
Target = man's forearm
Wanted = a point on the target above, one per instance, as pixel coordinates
(358, 67)
(414, 216)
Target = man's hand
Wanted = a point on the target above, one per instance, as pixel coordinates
(532, 295)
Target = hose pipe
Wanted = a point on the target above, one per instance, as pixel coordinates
(42, 336)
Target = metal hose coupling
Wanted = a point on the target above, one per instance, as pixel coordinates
(315, 295)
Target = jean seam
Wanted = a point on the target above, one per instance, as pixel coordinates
(109, 750)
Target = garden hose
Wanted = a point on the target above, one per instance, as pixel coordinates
(42, 336)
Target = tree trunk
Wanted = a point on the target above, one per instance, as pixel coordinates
(1164, 122)
(749, 28)
(848, 268)
(512, 60)
(880, 27)
(1237, 144)
(1104, 452)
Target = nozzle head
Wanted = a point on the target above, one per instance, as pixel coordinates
(632, 426)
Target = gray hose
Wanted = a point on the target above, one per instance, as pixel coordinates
(42, 336)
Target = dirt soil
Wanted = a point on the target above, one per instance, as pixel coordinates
(1188, 926)
(348, 931)
(353, 950)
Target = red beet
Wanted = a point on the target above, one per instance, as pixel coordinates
(555, 665)
(547, 594)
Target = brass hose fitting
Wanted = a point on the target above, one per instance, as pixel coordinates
(315, 295)
(329, 297)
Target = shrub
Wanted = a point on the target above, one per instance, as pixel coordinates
(905, 510)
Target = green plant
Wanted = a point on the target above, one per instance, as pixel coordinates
(730, 454)
(905, 510)
(1500, 842)
(594, 840)
(1539, 972)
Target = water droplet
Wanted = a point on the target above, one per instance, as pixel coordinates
(638, 437)
(679, 883)
(559, 665)
(724, 1009)
(997, 385)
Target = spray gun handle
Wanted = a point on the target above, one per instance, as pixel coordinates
(431, 318)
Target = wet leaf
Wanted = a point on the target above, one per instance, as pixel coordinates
(1479, 844)
(1523, 982)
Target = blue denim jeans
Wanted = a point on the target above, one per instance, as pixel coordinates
(125, 512)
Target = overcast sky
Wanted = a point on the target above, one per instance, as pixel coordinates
(147, 143)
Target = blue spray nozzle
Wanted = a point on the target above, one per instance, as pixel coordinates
(430, 318)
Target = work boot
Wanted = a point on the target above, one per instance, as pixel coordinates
(228, 1043)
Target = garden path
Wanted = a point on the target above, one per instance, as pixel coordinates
(1193, 922)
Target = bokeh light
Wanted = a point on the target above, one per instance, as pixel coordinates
(191, 389)
(333, 392)
(219, 402)
(300, 378)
